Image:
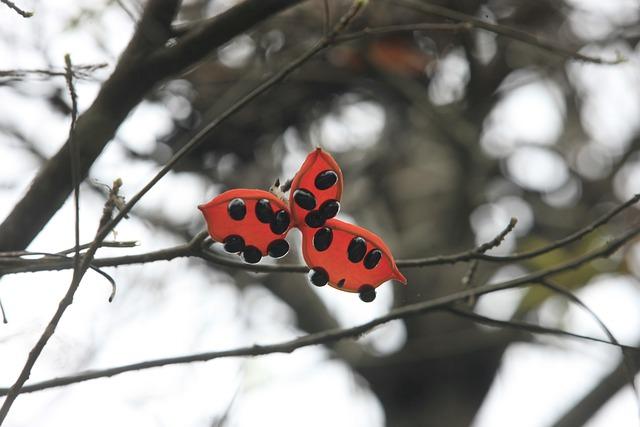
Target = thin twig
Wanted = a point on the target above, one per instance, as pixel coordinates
(467, 280)
(626, 358)
(502, 30)
(319, 338)
(469, 255)
(498, 239)
(109, 226)
(184, 250)
(128, 11)
(71, 263)
(353, 332)
(403, 28)
(75, 281)
(48, 332)
(75, 157)
(533, 328)
(12, 256)
(113, 244)
(4, 315)
(79, 72)
(19, 11)
(114, 200)
(322, 44)
(326, 23)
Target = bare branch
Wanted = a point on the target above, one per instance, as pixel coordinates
(34, 354)
(470, 255)
(326, 22)
(4, 315)
(196, 41)
(78, 71)
(75, 157)
(499, 238)
(502, 30)
(467, 280)
(199, 247)
(113, 244)
(19, 11)
(322, 44)
(134, 76)
(392, 29)
(353, 332)
(626, 358)
(66, 301)
(532, 328)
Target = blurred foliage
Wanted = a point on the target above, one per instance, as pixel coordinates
(442, 136)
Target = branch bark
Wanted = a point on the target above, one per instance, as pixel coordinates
(145, 62)
(198, 247)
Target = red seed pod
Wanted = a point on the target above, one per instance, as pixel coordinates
(316, 190)
(252, 223)
(348, 257)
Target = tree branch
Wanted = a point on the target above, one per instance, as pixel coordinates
(198, 247)
(502, 30)
(78, 71)
(137, 72)
(533, 328)
(19, 11)
(198, 41)
(353, 332)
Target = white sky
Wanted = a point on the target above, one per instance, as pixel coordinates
(178, 308)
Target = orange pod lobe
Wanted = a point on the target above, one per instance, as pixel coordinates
(349, 258)
(252, 223)
(316, 190)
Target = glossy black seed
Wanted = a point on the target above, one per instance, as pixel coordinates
(357, 249)
(372, 259)
(322, 239)
(278, 248)
(304, 199)
(341, 283)
(280, 222)
(318, 276)
(329, 209)
(251, 254)
(233, 244)
(326, 179)
(264, 213)
(367, 293)
(314, 219)
(237, 209)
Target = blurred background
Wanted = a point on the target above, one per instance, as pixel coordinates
(442, 137)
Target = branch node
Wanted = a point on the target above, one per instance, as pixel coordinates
(19, 11)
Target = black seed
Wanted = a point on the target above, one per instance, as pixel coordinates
(329, 209)
(304, 199)
(318, 276)
(322, 239)
(251, 254)
(234, 244)
(280, 222)
(341, 283)
(278, 248)
(264, 213)
(314, 219)
(367, 293)
(357, 249)
(326, 179)
(372, 259)
(237, 209)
